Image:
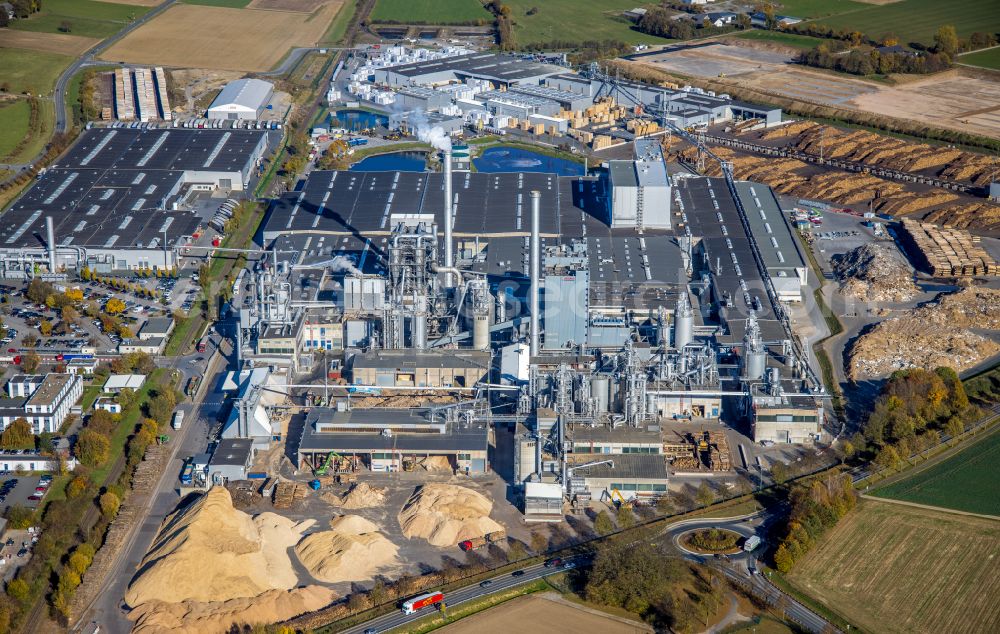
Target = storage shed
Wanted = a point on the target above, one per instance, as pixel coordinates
(241, 99)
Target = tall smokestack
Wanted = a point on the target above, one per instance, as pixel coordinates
(448, 215)
(536, 269)
(50, 238)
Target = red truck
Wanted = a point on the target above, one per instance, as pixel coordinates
(431, 598)
(480, 542)
(202, 345)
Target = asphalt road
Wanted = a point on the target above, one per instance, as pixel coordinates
(463, 595)
(737, 567)
(200, 419)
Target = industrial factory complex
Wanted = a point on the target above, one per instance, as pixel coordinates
(576, 316)
(577, 313)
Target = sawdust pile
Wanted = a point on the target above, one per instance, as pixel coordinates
(875, 272)
(353, 550)
(212, 552)
(361, 496)
(445, 514)
(273, 606)
(951, 331)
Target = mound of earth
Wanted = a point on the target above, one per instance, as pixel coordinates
(273, 606)
(952, 331)
(353, 550)
(445, 514)
(875, 272)
(361, 496)
(211, 552)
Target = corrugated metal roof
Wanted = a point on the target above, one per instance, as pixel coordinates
(249, 93)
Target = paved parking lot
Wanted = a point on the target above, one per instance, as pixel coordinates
(19, 488)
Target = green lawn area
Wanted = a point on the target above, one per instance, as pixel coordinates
(589, 20)
(812, 9)
(231, 4)
(86, 17)
(429, 11)
(13, 124)
(918, 20)
(804, 42)
(90, 394)
(987, 59)
(965, 481)
(24, 70)
(338, 27)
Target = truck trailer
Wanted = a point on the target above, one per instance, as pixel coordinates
(422, 601)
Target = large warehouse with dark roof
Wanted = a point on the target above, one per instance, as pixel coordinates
(116, 198)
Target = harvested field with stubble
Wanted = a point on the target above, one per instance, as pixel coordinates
(194, 36)
(895, 569)
(63, 43)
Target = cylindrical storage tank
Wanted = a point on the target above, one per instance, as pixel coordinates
(756, 361)
(683, 325)
(599, 390)
(481, 332)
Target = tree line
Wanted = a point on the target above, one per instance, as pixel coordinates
(814, 509)
(858, 54)
(910, 414)
(66, 544)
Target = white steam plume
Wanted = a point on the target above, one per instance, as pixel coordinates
(435, 135)
(343, 264)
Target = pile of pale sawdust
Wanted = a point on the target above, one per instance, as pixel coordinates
(361, 496)
(941, 333)
(212, 565)
(437, 463)
(193, 617)
(876, 273)
(211, 551)
(445, 514)
(352, 550)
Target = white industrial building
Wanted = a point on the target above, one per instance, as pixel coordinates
(640, 190)
(241, 99)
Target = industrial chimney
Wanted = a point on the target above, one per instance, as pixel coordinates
(50, 238)
(536, 270)
(449, 202)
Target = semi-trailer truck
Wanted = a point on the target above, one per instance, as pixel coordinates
(422, 601)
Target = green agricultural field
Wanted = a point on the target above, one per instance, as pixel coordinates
(85, 17)
(918, 20)
(572, 20)
(985, 59)
(230, 4)
(804, 42)
(338, 27)
(36, 71)
(14, 116)
(429, 11)
(813, 9)
(965, 481)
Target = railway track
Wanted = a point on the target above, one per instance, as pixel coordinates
(849, 166)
